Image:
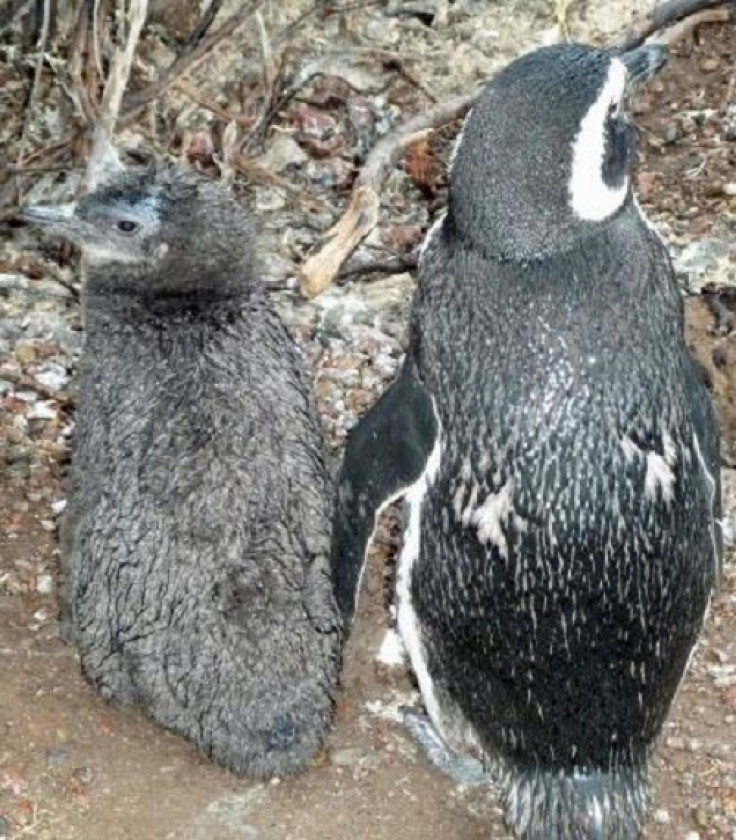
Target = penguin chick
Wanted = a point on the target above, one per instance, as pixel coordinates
(196, 543)
(557, 452)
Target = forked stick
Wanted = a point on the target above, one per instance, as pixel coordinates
(103, 156)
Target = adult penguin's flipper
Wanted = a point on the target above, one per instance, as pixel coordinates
(386, 453)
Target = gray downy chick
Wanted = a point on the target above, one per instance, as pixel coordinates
(558, 454)
(196, 539)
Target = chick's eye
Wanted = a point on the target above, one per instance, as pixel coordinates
(613, 110)
(127, 226)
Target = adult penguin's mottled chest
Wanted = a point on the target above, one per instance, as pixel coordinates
(569, 495)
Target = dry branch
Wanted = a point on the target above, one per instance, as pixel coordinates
(103, 155)
(393, 265)
(78, 92)
(204, 24)
(189, 59)
(13, 10)
(37, 71)
(321, 268)
(687, 14)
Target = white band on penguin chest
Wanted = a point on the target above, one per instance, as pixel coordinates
(591, 198)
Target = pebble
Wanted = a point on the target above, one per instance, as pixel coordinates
(661, 816)
(57, 508)
(700, 815)
(52, 376)
(672, 133)
(692, 835)
(44, 584)
(42, 410)
(84, 774)
(347, 756)
(283, 153)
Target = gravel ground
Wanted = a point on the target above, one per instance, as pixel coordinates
(74, 767)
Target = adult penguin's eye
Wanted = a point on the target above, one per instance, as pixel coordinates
(127, 226)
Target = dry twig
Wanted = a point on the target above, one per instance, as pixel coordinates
(30, 106)
(393, 265)
(204, 24)
(13, 10)
(680, 17)
(78, 92)
(103, 152)
(321, 268)
(223, 113)
(185, 62)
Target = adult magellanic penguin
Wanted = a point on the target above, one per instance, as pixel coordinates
(558, 453)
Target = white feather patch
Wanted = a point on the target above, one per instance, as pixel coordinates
(431, 234)
(591, 199)
(660, 472)
(407, 619)
(492, 515)
(711, 483)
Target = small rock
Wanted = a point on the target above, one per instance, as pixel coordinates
(44, 584)
(199, 147)
(713, 189)
(25, 353)
(348, 756)
(700, 815)
(42, 411)
(672, 133)
(84, 775)
(708, 65)
(702, 261)
(318, 131)
(52, 376)
(661, 816)
(283, 154)
(57, 508)
(692, 835)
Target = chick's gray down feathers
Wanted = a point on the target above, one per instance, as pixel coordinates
(196, 543)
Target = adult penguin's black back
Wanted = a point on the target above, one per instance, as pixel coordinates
(558, 451)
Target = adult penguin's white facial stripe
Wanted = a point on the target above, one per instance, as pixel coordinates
(591, 199)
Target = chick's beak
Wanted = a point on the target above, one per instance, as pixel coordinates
(56, 218)
(643, 64)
